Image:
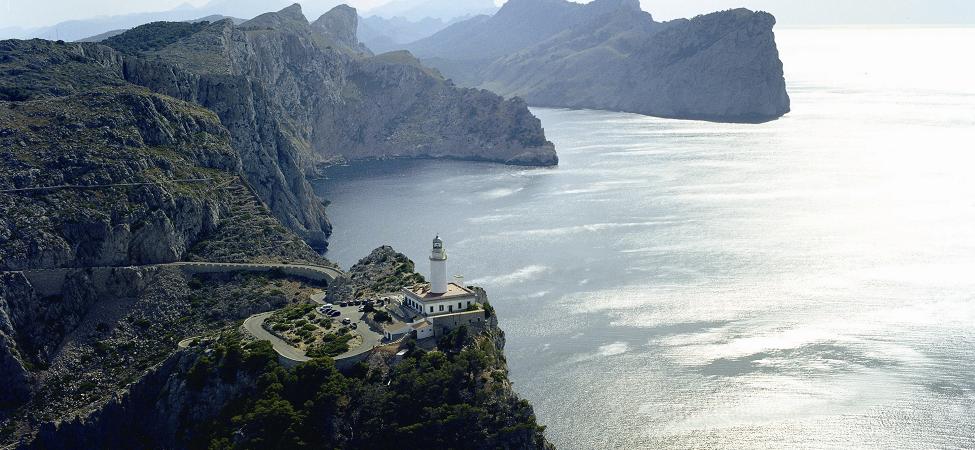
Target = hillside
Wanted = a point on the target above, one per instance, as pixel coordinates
(179, 142)
(609, 54)
(301, 95)
(295, 97)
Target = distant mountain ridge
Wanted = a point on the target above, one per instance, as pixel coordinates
(383, 34)
(436, 9)
(609, 54)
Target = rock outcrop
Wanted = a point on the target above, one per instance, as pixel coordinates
(609, 54)
(297, 97)
(228, 390)
(340, 26)
(114, 158)
(15, 378)
(384, 271)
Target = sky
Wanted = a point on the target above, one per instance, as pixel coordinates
(34, 13)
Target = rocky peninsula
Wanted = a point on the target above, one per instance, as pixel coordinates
(610, 54)
(192, 142)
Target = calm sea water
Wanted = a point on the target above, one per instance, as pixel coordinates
(808, 282)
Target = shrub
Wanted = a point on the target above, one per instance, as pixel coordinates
(488, 310)
(382, 317)
(331, 345)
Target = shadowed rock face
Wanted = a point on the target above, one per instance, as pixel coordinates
(609, 54)
(295, 97)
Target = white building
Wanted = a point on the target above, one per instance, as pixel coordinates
(439, 297)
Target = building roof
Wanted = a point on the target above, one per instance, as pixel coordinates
(421, 292)
(402, 329)
(421, 324)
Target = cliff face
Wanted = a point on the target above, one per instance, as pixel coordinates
(139, 177)
(134, 146)
(188, 402)
(14, 376)
(294, 96)
(385, 270)
(298, 96)
(609, 54)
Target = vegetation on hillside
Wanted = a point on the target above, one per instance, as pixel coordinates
(453, 399)
(153, 36)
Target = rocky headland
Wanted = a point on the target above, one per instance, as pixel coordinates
(177, 142)
(609, 54)
(293, 96)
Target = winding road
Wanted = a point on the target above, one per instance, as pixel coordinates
(51, 281)
(254, 326)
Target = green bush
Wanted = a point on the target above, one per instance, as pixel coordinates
(331, 345)
(488, 310)
(382, 317)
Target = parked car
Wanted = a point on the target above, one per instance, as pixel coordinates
(334, 314)
(328, 305)
(354, 326)
(357, 302)
(344, 304)
(346, 321)
(361, 308)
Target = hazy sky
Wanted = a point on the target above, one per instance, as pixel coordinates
(32, 13)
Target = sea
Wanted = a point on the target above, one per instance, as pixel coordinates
(803, 283)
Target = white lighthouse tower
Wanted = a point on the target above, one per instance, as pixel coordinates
(438, 268)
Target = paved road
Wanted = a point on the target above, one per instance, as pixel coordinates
(50, 281)
(253, 326)
(185, 343)
(328, 273)
(318, 297)
(370, 338)
(100, 186)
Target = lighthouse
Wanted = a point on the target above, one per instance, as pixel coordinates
(440, 297)
(438, 267)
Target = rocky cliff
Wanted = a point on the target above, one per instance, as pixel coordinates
(225, 390)
(192, 142)
(228, 393)
(609, 54)
(298, 96)
(294, 96)
(384, 271)
(69, 355)
(115, 175)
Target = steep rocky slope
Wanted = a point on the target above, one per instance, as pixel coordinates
(609, 54)
(119, 176)
(295, 96)
(229, 393)
(298, 96)
(71, 354)
(385, 270)
(104, 371)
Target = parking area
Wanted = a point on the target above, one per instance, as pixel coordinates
(352, 314)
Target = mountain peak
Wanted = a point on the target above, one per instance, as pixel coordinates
(292, 12)
(287, 16)
(339, 25)
(627, 7)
